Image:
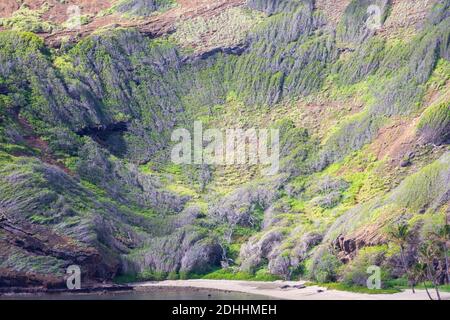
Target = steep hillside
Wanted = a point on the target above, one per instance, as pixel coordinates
(87, 114)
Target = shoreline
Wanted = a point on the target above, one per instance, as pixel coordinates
(104, 289)
(279, 290)
(284, 290)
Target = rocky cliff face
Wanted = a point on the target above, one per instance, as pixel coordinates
(86, 118)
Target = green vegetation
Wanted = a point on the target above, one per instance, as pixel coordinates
(355, 289)
(26, 19)
(325, 267)
(137, 8)
(421, 270)
(146, 275)
(77, 21)
(230, 27)
(229, 274)
(355, 272)
(434, 124)
(220, 274)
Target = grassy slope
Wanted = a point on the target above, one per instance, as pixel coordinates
(344, 131)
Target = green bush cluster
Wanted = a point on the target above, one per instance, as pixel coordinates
(434, 124)
(26, 19)
(355, 273)
(230, 274)
(324, 266)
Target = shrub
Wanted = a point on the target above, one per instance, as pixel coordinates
(140, 8)
(234, 274)
(25, 19)
(150, 275)
(324, 266)
(355, 273)
(434, 125)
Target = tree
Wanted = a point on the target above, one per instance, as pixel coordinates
(418, 273)
(440, 238)
(432, 256)
(429, 252)
(400, 234)
(447, 241)
(443, 236)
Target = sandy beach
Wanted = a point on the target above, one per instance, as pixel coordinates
(276, 290)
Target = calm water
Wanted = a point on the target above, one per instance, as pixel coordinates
(153, 294)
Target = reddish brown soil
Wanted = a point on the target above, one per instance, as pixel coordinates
(7, 7)
(36, 142)
(396, 140)
(348, 246)
(333, 9)
(153, 26)
(58, 11)
(405, 14)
